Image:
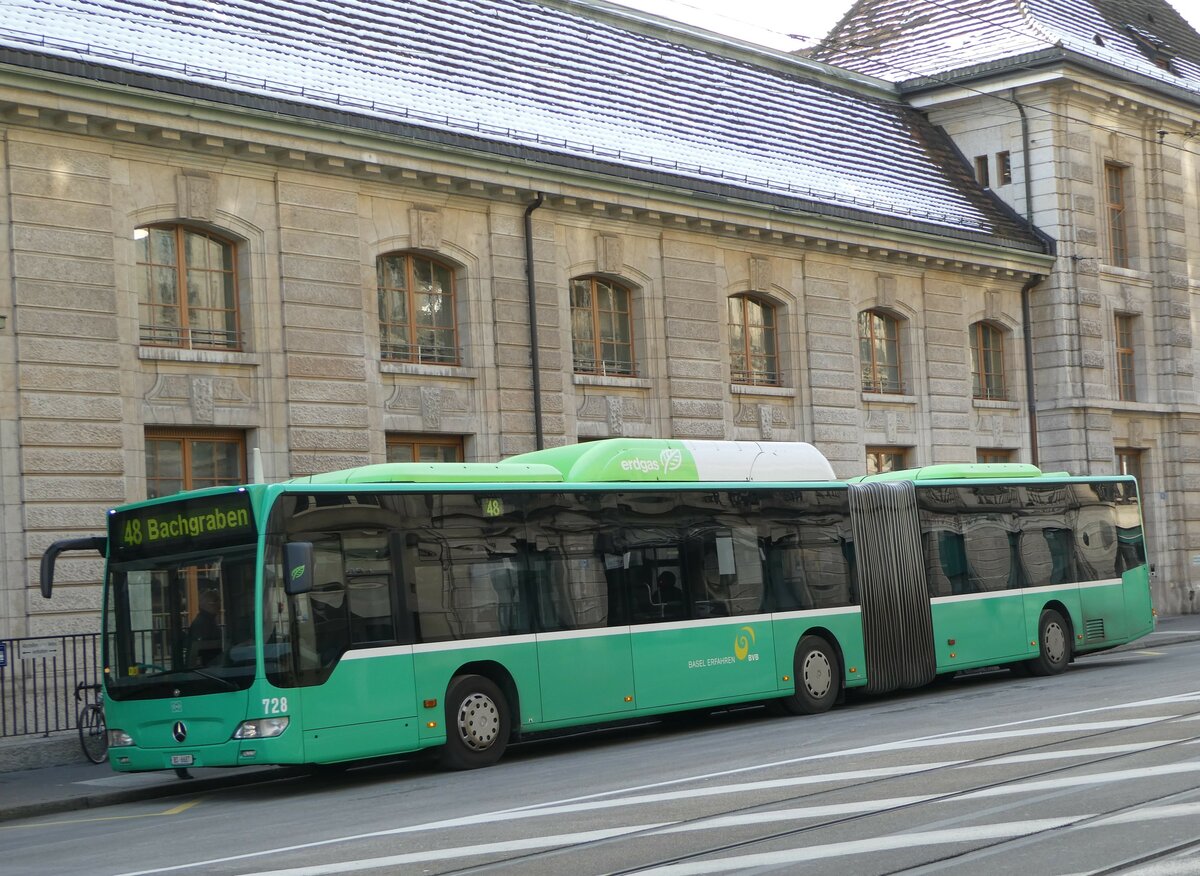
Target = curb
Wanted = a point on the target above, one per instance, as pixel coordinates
(98, 799)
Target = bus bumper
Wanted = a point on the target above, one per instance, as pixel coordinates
(234, 753)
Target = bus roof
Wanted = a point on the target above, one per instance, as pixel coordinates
(961, 471)
(659, 459)
(437, 473)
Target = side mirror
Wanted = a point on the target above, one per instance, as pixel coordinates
(298, 562)
(98, 543)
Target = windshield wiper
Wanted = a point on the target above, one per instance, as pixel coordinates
(225, 681)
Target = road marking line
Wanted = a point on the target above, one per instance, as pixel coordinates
(1058, 782)
(978, 833)
(182, 807)
(175, 810)
(517, 845)
(1064, 754)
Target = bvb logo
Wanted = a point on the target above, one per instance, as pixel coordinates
(742, 643)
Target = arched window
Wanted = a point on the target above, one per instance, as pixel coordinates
(187, 288)
(417, 321)
(987, 362)
(602, 327)
(879, 351)
(753, 346)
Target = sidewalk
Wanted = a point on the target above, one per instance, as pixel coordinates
(81, 785)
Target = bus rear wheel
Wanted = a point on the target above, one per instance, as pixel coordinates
(478, 723)
(818, 678)
(1054, 645)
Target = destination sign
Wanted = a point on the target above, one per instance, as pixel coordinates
(185, 524)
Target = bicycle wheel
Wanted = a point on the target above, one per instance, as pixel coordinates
(93, 734)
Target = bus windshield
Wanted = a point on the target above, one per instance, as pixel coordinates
(179, 599)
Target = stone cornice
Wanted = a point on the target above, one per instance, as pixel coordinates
(214, 134)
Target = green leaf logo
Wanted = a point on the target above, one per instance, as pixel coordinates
(298, 572)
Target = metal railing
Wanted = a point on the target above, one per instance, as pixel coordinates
(421, 354)
(190, 338)
(37, 681)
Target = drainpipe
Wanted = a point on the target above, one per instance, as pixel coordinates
(1030, 392)
(1026, 309)
(534, 362)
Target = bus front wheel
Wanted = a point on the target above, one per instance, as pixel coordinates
(818, 678)
(1054, 645)
(477, 723)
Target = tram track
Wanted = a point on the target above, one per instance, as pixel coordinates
(849, 820)
(1093, 819)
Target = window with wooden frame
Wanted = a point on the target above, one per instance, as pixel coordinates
(1126, 364)
(1129, 462)
(187, 459)
(992, 455)
(879, 352)
(884, 459)
(1116, 198)
(416, 447)
(1004, 168)
(753, 344)
(417, 316)
(602, 327)
(981, 171)
(187, 288)
(987, 362)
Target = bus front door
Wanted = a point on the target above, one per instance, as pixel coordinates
(585, 673)
(366, 707)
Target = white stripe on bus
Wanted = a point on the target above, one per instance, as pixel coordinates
(1015, 594)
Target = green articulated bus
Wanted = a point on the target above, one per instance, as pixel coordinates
(398, 607)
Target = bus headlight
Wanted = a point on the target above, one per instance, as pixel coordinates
(261, 728)
(118, 738)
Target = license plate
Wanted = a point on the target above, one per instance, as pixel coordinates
(181, 760)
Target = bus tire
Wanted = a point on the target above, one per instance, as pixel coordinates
(1054, 645)
(478, 723)
(818, 678)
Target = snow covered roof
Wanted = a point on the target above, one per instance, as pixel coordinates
(546, 83)
(901, 40)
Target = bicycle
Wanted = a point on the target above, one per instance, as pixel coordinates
(93, 732)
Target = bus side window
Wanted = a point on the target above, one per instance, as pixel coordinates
(1034, 552)
(330, 621)
(745, 585)
(989, 556)
(1096, 534)
(368, 577)
(1061, 543)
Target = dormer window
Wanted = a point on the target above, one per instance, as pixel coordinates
(1155, 49)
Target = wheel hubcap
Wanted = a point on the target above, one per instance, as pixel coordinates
(817, 673)
(1056, 643)
(478, 722)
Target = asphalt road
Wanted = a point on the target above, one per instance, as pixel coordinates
(1095, 771)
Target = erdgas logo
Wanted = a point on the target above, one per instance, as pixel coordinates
(671, 459)
(668, 460)
(742, 643)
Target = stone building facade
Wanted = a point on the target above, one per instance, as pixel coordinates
(310, 203)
